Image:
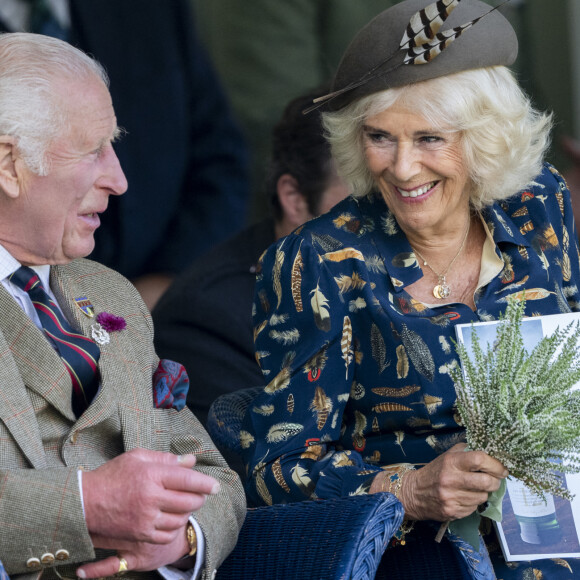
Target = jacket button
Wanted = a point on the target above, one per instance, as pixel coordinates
(33, 563)
(73, 438)
(62, 555)
(47, 558)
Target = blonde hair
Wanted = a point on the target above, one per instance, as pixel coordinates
(31, 68)
(503, 138)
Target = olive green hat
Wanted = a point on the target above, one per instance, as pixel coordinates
(450, 36)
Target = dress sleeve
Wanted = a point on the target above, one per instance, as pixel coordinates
(306, 345)
(561, 216)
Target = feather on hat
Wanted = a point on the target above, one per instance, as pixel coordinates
(407, 44)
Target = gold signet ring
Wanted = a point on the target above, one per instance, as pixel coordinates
(122, 566)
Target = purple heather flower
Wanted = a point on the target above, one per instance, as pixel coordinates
(110, 322)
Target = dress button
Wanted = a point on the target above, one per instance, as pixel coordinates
(62, 555)
(47, 558)
(33, 563)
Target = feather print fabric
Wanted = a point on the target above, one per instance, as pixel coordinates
(358, 376)
(378, 348)
(320, 309)
(296, 285)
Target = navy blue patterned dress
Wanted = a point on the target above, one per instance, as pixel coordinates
(357, 369)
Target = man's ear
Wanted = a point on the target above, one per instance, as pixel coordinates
(293, 203)
(9, 182)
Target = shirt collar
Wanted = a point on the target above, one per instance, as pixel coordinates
(9, 265)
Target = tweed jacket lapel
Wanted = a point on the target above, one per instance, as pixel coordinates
(67, 288)
(29, 363)
(40, 366)
(121, 375)
(17, 342)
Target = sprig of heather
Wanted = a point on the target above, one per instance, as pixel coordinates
(520, 408)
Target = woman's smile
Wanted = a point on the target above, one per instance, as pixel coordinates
(418, 192)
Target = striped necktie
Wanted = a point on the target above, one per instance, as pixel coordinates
(79, 353)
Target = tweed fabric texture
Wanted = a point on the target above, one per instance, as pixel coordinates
(43, 444)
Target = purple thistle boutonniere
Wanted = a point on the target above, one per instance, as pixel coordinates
(110, 322)
(105, 323)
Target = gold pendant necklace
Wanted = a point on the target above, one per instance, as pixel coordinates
(442, 289)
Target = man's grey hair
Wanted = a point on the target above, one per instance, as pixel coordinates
(32, 67)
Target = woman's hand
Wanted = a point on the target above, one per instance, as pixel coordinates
(451, 486)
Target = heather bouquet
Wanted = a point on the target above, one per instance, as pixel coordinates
(521, 407)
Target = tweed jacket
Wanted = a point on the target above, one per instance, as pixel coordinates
(44, 445)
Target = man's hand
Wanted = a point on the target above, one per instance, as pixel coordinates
(139, 504)
(139, 556)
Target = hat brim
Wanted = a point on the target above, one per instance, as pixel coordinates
(490, 42)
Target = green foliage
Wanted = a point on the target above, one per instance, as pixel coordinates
(520, 408)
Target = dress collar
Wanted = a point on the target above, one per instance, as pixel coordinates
(397, 253)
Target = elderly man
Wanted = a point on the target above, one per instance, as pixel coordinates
(92, 458)
(168, 98)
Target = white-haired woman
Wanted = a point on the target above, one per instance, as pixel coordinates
(452, 212)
